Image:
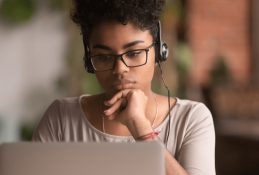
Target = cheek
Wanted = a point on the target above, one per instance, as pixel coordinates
(103, 79)
(147, 71)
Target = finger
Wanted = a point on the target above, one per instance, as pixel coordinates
(113, 116)
(116, 97)
(121, 103)
(107, 103)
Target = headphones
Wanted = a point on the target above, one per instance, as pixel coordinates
(161, 46)
(161, 50)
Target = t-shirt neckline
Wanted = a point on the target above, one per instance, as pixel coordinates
(157, 129)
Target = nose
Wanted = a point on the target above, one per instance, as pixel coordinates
(120, 66)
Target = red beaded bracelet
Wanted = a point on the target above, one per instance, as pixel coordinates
(149, 135)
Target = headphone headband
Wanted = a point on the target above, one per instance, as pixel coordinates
(163, 49)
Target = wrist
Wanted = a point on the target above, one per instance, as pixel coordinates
(139, 127)
(155, 138)
(152, 136)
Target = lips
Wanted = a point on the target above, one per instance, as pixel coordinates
(123, 81)
(123, 84)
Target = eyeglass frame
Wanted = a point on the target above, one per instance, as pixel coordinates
(121, 56)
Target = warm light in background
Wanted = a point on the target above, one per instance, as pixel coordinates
(213, 58)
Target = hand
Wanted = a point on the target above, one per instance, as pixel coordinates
(128, 105)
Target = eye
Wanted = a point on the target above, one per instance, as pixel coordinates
(104, 57)
(133, 54)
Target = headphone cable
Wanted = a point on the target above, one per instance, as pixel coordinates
(168, 102)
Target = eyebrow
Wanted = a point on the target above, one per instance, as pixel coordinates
(124, 47)
(132, 44)
(99, 46)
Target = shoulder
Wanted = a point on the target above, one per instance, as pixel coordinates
(195, 117)
(190, 108)
(65, 101)
(52, 124)
(69, 102)
(62, 108)
(196, 136)
(191, 116)
(187, 103)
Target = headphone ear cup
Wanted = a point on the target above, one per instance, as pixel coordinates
(88, 65)
(164, 52)
(85, 64)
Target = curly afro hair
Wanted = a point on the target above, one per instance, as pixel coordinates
(143, 14)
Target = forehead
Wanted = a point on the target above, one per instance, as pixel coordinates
(114, 34)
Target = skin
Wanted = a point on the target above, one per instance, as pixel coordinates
(129, 105)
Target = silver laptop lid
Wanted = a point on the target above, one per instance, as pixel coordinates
(31, 158)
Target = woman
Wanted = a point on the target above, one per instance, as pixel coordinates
(121, 40)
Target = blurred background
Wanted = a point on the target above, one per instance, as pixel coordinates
(213, 58)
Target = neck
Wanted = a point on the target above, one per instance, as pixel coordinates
(151, 107)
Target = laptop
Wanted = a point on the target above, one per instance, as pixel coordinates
(78, 158)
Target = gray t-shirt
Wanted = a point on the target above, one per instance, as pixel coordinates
(191, 139)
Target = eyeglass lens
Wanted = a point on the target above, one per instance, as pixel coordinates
(133, 58)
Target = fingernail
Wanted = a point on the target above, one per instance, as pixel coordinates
(104, 111)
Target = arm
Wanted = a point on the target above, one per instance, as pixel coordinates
(143, 127)
(197, 153)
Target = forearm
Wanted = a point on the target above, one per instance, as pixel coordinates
(172, 166)
(138, 129)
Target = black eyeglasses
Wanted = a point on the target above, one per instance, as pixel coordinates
(133, 58)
